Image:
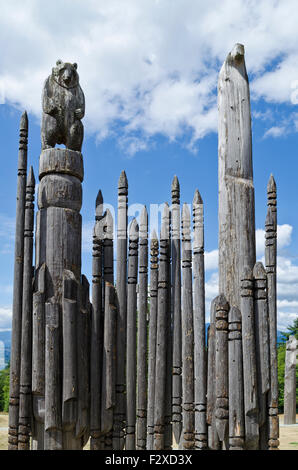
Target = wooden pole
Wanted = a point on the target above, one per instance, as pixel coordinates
(236, 191)
(131, 336)
(270, 262)
(249, 361)
(25, 410)
(97, 329)
(262, 349)
(152, 339)
(141, 425)
(221, 369)
(176, 303)
(200, 366)
(290, 381)
(236, 394)
(15, 354)
(161, 335)
(169, 335)
(121, 286)
(187, 335)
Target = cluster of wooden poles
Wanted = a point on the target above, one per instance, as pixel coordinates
(162, 384)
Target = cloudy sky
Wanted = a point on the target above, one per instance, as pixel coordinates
(149, 72)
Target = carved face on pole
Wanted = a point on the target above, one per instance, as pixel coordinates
(65, 74)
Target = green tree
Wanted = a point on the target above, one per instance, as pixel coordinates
(281, 357)
(4, 389)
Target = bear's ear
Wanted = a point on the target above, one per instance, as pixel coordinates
(75, 65)
(59, 62)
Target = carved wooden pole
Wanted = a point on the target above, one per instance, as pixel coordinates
(221, 369)
(290, 381)
(249, 361)
(187, 335)
(169, 340)
(200, 369)
(236, 190)
(262, 349)
(121, 286)
(109, 363)
(141, 425)
(236, 395)
(161, 336)
(25, 410)
(97, 329)
(176, 303)
(270, 262)
(152, 339)
(15, 354)
(131, 336)
(213, 442)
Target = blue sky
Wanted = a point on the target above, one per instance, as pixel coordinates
(149, 73)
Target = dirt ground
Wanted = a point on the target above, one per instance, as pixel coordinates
(288, 434)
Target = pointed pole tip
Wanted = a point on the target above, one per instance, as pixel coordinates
(31, 177)
(24, 121)
(197, 197)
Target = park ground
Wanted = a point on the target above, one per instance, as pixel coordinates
(288, 434)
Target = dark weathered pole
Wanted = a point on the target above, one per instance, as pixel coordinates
(169, 339)
(121, 286)
(141, 425)
(262, 349)
(152, 339)
(176, 305)
(249, 361)
(200, 366)
(221, 369)
(187, 436)
(161, 336)
(109, 362)
(270, 262)
(290, 381)
(25, 410)
(131, 336)
(15, 354)
(236, 191)
(213, 442)
(97, 329)
(236, 396)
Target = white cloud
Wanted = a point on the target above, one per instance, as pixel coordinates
(211, 260)
(150, 66)
(284, 234)
(276, 131)
(5, 318)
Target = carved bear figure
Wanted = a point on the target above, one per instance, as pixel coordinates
(63, 105)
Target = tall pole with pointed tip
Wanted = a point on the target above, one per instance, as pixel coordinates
(200, 368)
(142, 334)
(121, 286)
(25, 410)
(97, 327)
(187, 436)
(176, 303)
(290, 381)
(236, 190)
(14, 388)
(270, 261)
(152, 339)
(131, 335)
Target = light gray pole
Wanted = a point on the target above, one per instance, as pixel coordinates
(290, 381)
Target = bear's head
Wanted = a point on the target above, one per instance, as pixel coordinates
(65, 74)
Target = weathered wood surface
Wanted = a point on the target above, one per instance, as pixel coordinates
(120, 409)
(213, 441)
(200, 366)
(221, 369)
(270, 262)
(176, 303)
(262, 350)
(141, 424)
(236, 396)
(250, 381)
(161, 336)
(154, 248)
(25, 405)
(187, 436)
(235, 176)
(97, 328)
(290, 381)
(14, 384)
(131, 372)
(166, 221)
